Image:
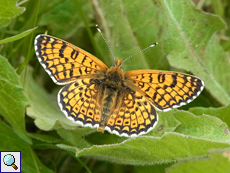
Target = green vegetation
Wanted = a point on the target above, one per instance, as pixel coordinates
(193, 38)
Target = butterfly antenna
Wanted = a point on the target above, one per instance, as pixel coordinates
(152, 45)
(106, 42)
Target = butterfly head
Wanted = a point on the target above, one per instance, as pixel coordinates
(118, 64)
(115, 75)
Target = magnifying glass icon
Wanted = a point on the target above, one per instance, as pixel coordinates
(9, 160)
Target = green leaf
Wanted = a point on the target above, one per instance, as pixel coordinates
(158, 168)
(151, 150)
(74, 138)
(167, 123)
(204, 126)
(64, 13)
(68, 148)
(9, 10)
(129, 28)
(45, 138)
(17, 37)
(13, 100)
(217, 162)
(192, 45)
(11, 142)
(222, 113)
(43, 108)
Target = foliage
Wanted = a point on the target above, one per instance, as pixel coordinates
(192, 38)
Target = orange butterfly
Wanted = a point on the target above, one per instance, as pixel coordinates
(107, 98)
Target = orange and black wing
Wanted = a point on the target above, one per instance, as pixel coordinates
(134, 115)
(65, 62)
(165, 90)
(79, 102)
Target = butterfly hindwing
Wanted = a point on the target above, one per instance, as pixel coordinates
(133, 116)
(79, 102)
(65, 62)
(166, 90)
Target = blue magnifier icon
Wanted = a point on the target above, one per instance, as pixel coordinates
(9, 160)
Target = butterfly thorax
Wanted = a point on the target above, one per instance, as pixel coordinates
(114, 77)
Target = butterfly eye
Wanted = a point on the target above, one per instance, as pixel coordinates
(113, 65)
(121, 68)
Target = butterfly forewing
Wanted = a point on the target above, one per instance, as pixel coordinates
(65, 62)
(166, 90)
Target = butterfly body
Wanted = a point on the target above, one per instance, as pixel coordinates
(107, 98)
(113, 89)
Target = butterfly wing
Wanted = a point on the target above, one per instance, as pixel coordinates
(65, 62)
(79, 102)
(165, 90)
(133, 116)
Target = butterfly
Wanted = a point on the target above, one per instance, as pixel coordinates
(107, 98)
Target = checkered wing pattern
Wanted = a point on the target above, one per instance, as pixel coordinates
(79, 102)
(134, 115)
(165, 90)
(65, 62)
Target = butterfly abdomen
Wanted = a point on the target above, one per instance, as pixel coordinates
(109, 98)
